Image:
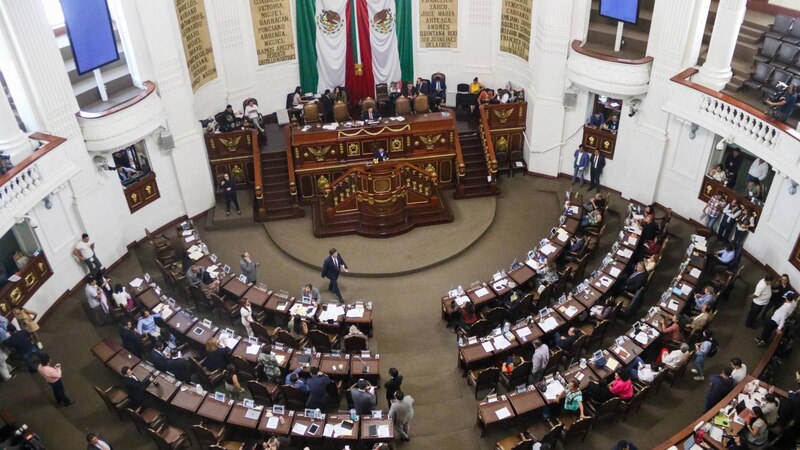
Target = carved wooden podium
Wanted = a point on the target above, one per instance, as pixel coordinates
(379, 200)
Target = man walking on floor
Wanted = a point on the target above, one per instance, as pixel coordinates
(331, 269)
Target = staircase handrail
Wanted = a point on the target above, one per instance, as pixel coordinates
(488, 145)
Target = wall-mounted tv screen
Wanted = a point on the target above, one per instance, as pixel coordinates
(91, 34)
(622, 10)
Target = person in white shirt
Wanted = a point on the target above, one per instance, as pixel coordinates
(758, 170)
(252, 114)
(84, 250)
(760, 298)
(778, 319)
(122, 298)
(95, 443)
(645, 373)
(246, 311)
(676, 358)
(738, 370)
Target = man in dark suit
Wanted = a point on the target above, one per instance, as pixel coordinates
(423, 87)
(176, 366)
(326, 101)
(439, 90)
(636, 280)
(380, 154)
(331, 269)
(95, 443)
(134, 386)
(131, 339)
(371, 114)
(596, 165)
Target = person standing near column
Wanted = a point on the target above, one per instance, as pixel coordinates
(579, 164)
(248, 267)
(52, 374)
(598, 162)
(84, 251)
(331, 268)
(401, 412)
(228, 188)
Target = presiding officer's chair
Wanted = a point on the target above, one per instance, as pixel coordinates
(421, 104)
(340, 113)
(402, 106)
(311, 113)
(368, 103)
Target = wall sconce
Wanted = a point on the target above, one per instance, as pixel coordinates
(693, 130)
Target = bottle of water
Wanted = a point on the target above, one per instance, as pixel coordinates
(353, 415)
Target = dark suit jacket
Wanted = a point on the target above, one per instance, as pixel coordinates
(410, 93)
(329, 269)
(442, 88)
(375, 115)
(94, 447)
(135, 389)
(377, 155)
(177, 367)
(649, 232)
(131, 341)
(601, 163)
(635, 281)
(424, 88)
(218, 359)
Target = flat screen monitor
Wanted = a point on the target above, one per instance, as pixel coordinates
(623, 10)
(90, 32)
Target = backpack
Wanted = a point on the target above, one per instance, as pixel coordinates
(714, 347)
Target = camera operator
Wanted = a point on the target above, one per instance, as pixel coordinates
(782, 104)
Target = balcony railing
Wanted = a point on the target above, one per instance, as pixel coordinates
(773, 141)
(606, 74)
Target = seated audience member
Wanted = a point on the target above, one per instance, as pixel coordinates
(596, 202)
(122, 298)
(612, 124)
(131, 339)
(738, 370)
(704, 298)
(510, 363)
(603, 310)
(363, 395)
(147, 324)
(757, 428)
(770, 408)
(699, 322)
(565, 342)
(466, 316)
(671, 328)
(410, 91)
(217, 356)
(125, 173)
(209, 284)
(438, 90)
(621, 386)
(252, 114)
(339, 94)
(596, 120)
(650, 262)
(636, 280)
(650, 228)
(485, 97)
(592, 219)
(299, 326)
(423, 86)
(783, 108)
(546, 275)
(718, 173)
(134, 386)
(380, 154)
(645, 373)
(297, 97)
(179, 367)
(676, 358)
(354, 331)
(170, 341)
(576, 243)
(194, 275)
(503, 96)
(726, 255)
(654, 246)
(371, 114)
(270, 366)
(310, 293)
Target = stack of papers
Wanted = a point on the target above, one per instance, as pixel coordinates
(502, 413)
(554, 389)
(355, 312)
(272, 422)
(196, 255)
(481, 292)
(547, 249)
(549, 324)
(625, 253)
(524, 332)
(252, 349)
(500, 342)
(614, 272)
(642, 338)
(383, 431)
(487, 346)
(534, 264)
(332, 313)
(136, 283)
(632, 240)
(571, 311)
(673, 305)
(461, 301)
(695, 273)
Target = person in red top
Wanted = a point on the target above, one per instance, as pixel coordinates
(621, 386)
(468, 316)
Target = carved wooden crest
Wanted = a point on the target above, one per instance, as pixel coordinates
(319, 152)
(231, 143)
(503, 115)
(430, 141)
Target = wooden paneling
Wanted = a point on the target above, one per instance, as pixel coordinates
(605, 141)
(143, 192)
(32, 277)
(711, 186)
(232, 153)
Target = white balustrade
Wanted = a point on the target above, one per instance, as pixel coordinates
(742, 121)
(19, 187)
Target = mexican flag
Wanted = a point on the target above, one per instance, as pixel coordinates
(354, 43)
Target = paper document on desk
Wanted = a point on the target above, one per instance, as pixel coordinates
(332, 313)
(192, 249)
(547, 249)
(524, 332)
(330, 126)
(383, 431)
(229, 342)
(136, 282)
(487, 346)
(642, 338)
(716, 434)
(186, 232)
(299, 428)
(686, 289)
(252, 414)
(549, 324)
(252, 349)
(503, 413)
(571, 311)
(554, 389)
(500, 342)
(606, 281)
(632, 240)
(272, 422)
(500, 285)
(533, 264)
(463, 300)
(624, 252)
(673, 305)
(614, 272)
(481, 292)
(562, 235)
(695, 273)
(612, 364)
(196, 255)
(355, 312)
(190, 239)
(328, 431)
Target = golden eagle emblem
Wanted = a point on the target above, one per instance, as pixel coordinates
(329, 22)
(503, 115)
(231, 143)
(319, 152)
(430, 141)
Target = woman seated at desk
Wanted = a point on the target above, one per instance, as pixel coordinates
(465, 317)
(546, 275)
(592, 219)
(599, 392)
(209, 284)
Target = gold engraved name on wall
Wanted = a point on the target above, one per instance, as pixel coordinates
(231, 143)
(503, 115)
(318, 152)
(430, 141)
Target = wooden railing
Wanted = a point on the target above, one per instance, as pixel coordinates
(488, 145)
(576, 46)
(287, 132)
(149, 88)
(258, 179)
(461, 168)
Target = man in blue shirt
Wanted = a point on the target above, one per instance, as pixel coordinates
(147, 324)
(704, 298)
(726, 255)
(784, 107)
(293, 379)
(579, 164)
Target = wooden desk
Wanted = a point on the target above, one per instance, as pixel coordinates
(523, 275)
(481, 295)
(551, 314)
(166, 311)
(672, 305)
(302, 420)
(187, 399)
(630, 240)
(572, 225)
(648, 335)
(488, 409)
(166, 388)
(623, 255)
(689, 288)
(182, 322)
(106, 349)
(372, 364)
(472, 356)
(370, 430)
(283, 426)
(631, 351)
(502, 286)
(525, 333)
(282, 354)
(238, 416)
(234, 288)
(571, 308)
(603, 282)
(213, 409)
(241, 351)
(526, 401)
(588, 297)
(603, 372)
(335, 366)
(362, 322)
(552, 252)
(614, 268)
(200, 334)
(258, 295)
(299, 359)
(278, 305)
(348, 437)
(121, 359)
(135, 291)
(149, 299)
(692, 275)
(699, 259)
(583, 376)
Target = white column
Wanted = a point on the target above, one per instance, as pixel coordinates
(234, 29)
(13, 142)
(479, 41)
(716, 70)
(548, 62)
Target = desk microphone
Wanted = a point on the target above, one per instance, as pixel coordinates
(365, 369)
